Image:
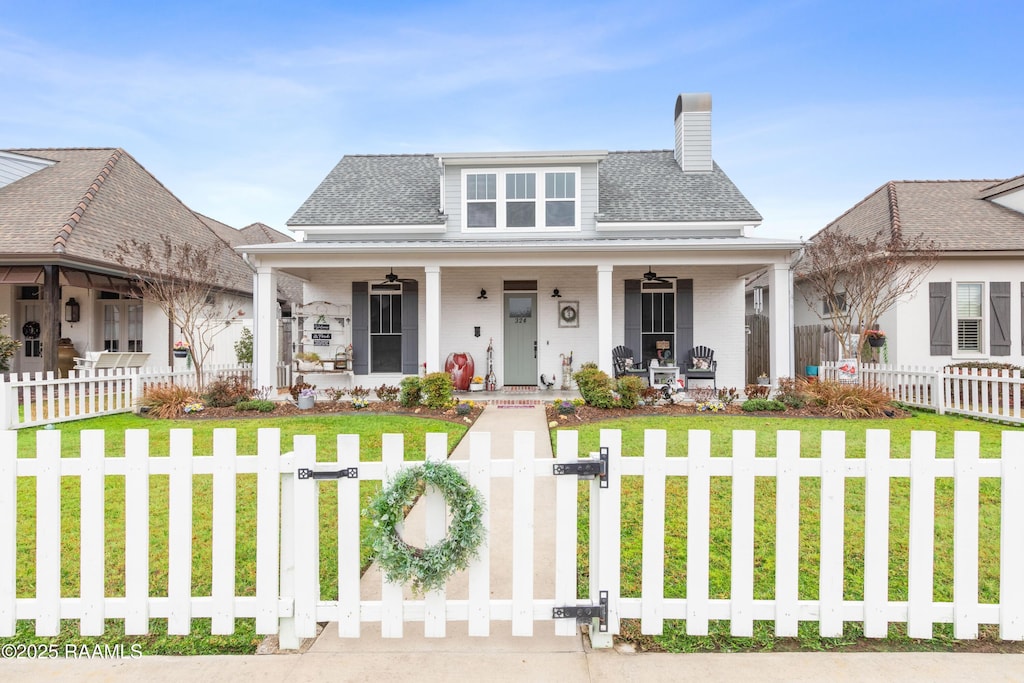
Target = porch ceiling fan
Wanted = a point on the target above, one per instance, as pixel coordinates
(390, 278)
(651, 276)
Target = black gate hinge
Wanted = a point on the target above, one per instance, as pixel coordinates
(588, 467)
(346, 473)
(584, 613)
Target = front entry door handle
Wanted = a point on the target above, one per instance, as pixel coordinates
(535, 349)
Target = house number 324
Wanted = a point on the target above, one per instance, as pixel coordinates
(520, 321)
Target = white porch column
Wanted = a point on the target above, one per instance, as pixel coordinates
(264, 293)
(780, 307)
(432, 350)
(604, 320)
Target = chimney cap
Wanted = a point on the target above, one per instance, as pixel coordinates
(693, 101)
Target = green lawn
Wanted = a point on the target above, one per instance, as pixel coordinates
(721, 426)
(369, 426)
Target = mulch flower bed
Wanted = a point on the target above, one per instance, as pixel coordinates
(588, 414)
(321, 408)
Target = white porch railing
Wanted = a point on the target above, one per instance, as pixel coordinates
(34, 399)
(991, 394)
(288, 598)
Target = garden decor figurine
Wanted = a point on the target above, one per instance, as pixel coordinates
(460, 366)
(491, 382)
(566, 371)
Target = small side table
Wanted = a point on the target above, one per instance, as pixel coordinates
(668, 376)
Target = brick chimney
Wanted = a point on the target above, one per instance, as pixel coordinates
(693, 132)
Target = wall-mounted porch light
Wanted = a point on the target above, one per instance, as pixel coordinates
(483, 294)
(556, 294)
(72, 311)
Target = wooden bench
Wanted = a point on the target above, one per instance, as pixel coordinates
(109, 360)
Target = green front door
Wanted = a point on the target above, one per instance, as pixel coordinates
(520, 339)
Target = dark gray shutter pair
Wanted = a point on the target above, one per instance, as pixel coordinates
(940, 316)
(361, 327)
(684, 317)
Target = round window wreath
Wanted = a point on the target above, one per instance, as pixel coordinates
(30, 330)
(426, 568)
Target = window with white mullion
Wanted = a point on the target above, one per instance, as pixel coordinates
(969, 316)
(481, 200)
(520, 200)
(560, 193)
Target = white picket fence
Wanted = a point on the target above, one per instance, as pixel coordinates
(992, 394)
(45, 399)
(287, 598)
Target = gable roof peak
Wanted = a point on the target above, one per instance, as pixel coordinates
(60, 240)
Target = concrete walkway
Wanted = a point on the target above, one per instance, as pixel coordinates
(502, 657)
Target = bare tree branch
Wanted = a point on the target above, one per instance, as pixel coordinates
(860, 279)
(180, 278)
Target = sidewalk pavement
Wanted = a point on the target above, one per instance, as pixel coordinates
(503, 657)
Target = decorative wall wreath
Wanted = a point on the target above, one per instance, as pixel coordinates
(426, 568)
(30, 330)
(568, 314)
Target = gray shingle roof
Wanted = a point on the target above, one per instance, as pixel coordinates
(953, 213)
(634, 186)
(650, 186)
(376, 190)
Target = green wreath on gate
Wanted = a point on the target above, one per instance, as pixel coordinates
(426, 568)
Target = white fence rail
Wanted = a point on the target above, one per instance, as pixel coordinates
(34, 399)
(287, 597)
(992, 394)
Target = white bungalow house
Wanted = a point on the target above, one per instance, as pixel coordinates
(541, 255)
(62, 212)
(970, 307)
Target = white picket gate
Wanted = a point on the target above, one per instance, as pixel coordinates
(287, 598)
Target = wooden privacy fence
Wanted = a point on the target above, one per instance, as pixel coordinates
(287, 596)
(992, 394)
(33, 399)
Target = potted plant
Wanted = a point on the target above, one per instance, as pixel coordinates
(763, 379)
(876, 338)
(306, 399)
(181, 349)
(477, 384)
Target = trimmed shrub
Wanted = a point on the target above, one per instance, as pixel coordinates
(757, 390)
(437, 390)
(336, 394)
(259, 405)
(794, 393)
(168, 400)
(629, 389)
(759, 404)
(410, 392)
(359, 391)
(227, 391)
(595, 386)
(387, 392)
(728, 395)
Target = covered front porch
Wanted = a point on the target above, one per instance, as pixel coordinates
(407, 308)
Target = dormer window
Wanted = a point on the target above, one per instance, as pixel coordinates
(510, 200)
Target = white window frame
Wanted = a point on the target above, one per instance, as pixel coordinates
(981, 318)
(540, 199)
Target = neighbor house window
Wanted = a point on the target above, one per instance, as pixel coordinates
(840, 305)
(969, 316)
(529, 199)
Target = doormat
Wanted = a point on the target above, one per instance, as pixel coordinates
(519, 388)
(524, 404)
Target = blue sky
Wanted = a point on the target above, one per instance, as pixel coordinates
(241, 108)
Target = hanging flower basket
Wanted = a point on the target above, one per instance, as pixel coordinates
(876, 338)
(181, 353)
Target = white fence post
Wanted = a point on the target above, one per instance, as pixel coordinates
(606, 509)
(8, 531)
(7, 399)
(1011, 550)
(269, 523)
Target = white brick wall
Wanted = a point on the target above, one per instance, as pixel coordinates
(718, 312)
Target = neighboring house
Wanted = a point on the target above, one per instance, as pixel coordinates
(541, 254)
(969, 307)
(62, 211)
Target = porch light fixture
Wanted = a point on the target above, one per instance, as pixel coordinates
(556, 294)
(72, 311)
(483, 294)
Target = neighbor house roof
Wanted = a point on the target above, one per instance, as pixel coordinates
(956, 214)
(633, 186)
(76, 211)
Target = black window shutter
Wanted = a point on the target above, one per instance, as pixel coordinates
(940, 320)
(684, 319)
(410, 327)
(631, 318)
(360, 328)
(999, 320)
